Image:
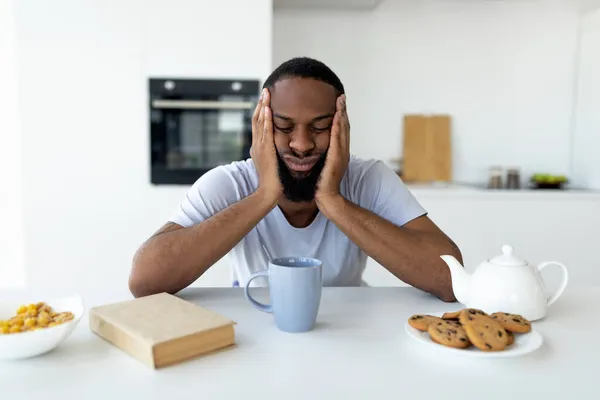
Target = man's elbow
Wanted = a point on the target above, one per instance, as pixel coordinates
(447, 296)
(445, 291)
(139, 282)
(454, 251)
(137, 286)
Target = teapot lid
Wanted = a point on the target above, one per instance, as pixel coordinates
(507, 258)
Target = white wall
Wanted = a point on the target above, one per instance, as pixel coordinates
(504, 70)
(589, 5)
(83, 67)
(11, 227)
(587, 136)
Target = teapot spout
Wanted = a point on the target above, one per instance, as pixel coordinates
(461, 279)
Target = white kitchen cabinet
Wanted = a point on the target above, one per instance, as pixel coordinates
(540, 225)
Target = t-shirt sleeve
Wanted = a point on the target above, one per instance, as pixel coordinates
(211, 193)
(381, 191)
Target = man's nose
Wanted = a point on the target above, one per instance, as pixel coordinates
(302, 141)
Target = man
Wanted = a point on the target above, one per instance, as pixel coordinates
(300, 194)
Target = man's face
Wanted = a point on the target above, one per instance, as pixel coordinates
(303, 111)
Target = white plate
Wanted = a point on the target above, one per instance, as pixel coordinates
(34, 343)
(524, 343)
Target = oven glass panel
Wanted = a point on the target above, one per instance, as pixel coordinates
(205, 138)
(197, 125)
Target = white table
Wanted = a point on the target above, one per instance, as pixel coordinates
(359, 350)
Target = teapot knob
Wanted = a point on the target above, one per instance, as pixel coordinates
(507, 250)
(507, 257)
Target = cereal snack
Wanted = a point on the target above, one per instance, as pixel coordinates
(34, 316)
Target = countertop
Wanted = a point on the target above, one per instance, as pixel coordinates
(482, 192)
(359, 350)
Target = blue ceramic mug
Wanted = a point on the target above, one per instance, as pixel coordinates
(295, 292)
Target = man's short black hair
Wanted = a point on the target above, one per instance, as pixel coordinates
(305, 67)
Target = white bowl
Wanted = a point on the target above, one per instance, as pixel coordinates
(34, 343)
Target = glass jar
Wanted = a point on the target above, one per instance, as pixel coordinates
(513, 179)
(495, 181)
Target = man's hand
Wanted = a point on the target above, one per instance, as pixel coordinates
(263, 149)
(338, 155)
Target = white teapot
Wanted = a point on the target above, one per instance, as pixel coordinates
(505, 284)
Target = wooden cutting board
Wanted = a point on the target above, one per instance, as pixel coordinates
(162, 329)
(427, 148)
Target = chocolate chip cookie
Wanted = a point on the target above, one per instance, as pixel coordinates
(511, 338)
(451, 315)
(485, 333)
(421, 321)
(467, 314)
(453, 322)
(448, 334)
(512, 322)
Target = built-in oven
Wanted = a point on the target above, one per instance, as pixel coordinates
(198, 124)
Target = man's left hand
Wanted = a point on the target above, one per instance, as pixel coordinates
(338, 155)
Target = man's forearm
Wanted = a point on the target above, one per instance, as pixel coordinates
(172, 260)
(411, 255)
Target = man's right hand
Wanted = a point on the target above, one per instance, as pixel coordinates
(263, 149)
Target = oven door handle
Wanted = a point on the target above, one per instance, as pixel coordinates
(202, 104)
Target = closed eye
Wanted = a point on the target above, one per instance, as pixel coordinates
(284, 130)
(321, 130)
(291, 129)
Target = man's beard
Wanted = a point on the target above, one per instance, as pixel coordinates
(300, 189)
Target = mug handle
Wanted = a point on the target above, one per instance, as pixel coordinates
(262, 307)
(563, 283)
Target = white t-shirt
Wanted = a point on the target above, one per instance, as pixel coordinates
(368, 183)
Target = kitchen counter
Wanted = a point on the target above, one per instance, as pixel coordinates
(358, 350)
(481, 192)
